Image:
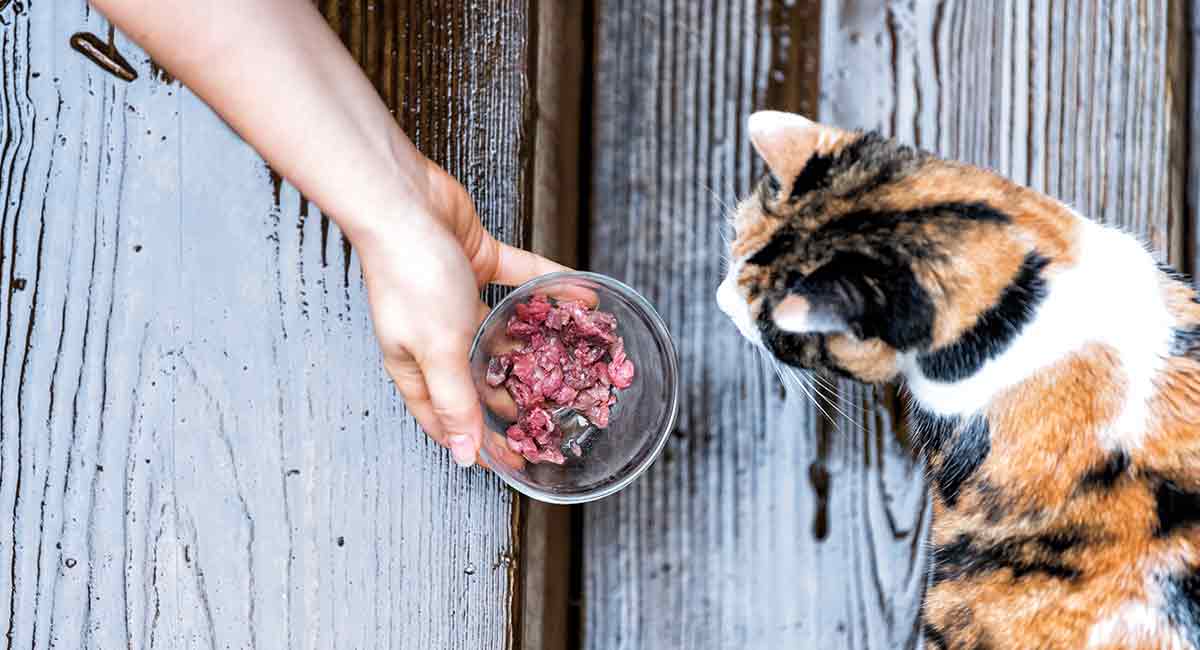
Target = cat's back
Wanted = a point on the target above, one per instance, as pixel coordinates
(1081, 528)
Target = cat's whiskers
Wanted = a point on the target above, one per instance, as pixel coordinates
(729, 211)
(837, 406)
(833, 387)
(723, 231)
(793, 378)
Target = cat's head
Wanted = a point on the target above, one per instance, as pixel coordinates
(855, 254)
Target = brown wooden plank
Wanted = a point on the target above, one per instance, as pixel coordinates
(1188, 44)
(548, 551)
(198, 445)
(764, 526)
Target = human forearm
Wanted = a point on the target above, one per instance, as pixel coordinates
(280, 77)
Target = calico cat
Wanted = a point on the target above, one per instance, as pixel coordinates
(1052, 370)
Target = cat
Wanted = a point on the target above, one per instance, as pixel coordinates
(1052, 369)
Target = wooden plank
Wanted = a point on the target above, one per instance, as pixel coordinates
(764, 525)
(198, 445)
(549, 552)
(1189, 46)
(559, 87)
(1178, 55)
(1074, 99)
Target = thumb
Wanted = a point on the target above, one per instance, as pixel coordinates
(456, 405)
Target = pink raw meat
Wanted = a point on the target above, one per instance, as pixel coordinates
(534, 311)
(571, 358)
(620, 369)
(497, 370)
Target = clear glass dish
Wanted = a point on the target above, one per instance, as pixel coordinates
(641, 421)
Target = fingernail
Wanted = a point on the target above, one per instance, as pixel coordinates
(462, 450)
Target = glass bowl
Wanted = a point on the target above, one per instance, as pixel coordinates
(640, 422)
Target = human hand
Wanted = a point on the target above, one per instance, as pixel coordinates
(423, 251)
(424, 266)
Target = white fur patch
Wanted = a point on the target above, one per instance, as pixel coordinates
(1136, 623)
(1112, 296)
(731, 301)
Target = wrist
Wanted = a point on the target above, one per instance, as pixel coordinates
(396, 201)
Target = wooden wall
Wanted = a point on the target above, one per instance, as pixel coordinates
(198, 447)
(766, 523)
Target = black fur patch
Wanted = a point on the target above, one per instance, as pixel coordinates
(966, 557)
(814, 176)
(958, 630)
(864, 221)
(799, 350)
(862, 166)
(994, 330)
(1060, 540)
(1181, 596)
(997, 506)
(783, 242)
(1176, 508)
(870, 162)
(874, 298)
(934, 639)
(1105, 475)
(787, 239)
(954, 449)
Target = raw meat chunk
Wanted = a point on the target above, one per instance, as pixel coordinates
(571, 358)
(620, 369)
(497, 370)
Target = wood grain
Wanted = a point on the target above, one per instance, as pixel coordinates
(198, 446)
(1188, 41)
(766, 525)
(549, 552)
(1073, 99)
(763, 525)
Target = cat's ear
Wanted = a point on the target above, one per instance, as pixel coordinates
(786, 141)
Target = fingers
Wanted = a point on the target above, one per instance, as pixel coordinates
(516, 266)
(410, 383)
(501, 453)
(422, 411)
(500, 402)
(455, 403)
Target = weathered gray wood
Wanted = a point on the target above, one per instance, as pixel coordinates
(198, 447)
(762, 526)
(1073, 98)
(716, 546)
